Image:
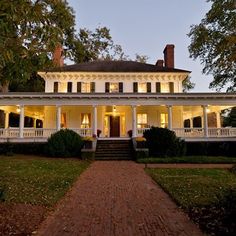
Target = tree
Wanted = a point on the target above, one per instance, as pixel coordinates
(187, 84)
(213, 41)
(229, 117)
(29, 33)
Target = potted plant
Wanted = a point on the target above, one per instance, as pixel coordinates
(130, 133)
(98, 132)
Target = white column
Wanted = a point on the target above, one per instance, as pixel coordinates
(191, 122)
(34, 125)
(58, 118)
(134, 121)
(22, 121)
(169, 117)
(205, 121)
(218, 121)
(95, 122)
(6, 123)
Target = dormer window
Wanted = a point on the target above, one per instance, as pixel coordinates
(142, 87)
(85, 87)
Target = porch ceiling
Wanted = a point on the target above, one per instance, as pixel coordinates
(191, 99)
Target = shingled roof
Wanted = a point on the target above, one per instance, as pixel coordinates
(114, 66)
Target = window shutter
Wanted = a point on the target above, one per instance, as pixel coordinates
(135, 87)
(78, 87)
(107, 87)
(55, 88)
(171, 87)
(92, 86)
(120, 87)
(149, 87)
(158, 87)
(69, 87)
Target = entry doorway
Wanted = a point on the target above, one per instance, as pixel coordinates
(114, 126)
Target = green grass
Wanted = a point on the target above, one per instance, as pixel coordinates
(190, 159)
(194, 187)
(34, 180)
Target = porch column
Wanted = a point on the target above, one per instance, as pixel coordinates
(22, 121)
(6, 122)
(34, 125)
(95, 122)
(218, 122)
(58, 118)
(134, 121)
(191, 122)
(169, 117)
(205, 121)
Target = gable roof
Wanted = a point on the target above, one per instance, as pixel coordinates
(114, 66)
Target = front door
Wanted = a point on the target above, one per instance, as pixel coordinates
(114, 126)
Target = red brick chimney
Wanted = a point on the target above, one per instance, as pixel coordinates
(169, 56)
(58, 56)
(160, 63)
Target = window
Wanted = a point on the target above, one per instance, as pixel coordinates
(85, 87)
(142, 87)
(85, 120)
(158, 87)
(165, 87)
(114, 88)
(164, 120)
(69, 87)
(55, 88)
(63, 120)
(142, 121)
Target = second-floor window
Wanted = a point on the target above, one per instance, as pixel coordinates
(85, 87)
(142, 87)
(69, 87)
(114, 87)
(55, 88)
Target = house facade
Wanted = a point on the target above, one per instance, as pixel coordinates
(115, 99)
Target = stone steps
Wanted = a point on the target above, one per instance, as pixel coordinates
(113, 150)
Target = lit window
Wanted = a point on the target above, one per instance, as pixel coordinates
(63, 120)
(85, 120)
(114, 87)
(164, 120)
(142, 87)
(165, 88)
(86, 87)
(141, 121)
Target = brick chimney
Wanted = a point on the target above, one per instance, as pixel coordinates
(169, 56)
(58, 56)
(160, 63)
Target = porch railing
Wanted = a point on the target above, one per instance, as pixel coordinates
(37, 132)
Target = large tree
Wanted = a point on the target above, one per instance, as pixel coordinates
(29, 33)
(213, 41)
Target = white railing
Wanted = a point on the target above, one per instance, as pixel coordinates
(37, 132)
(140, 131)
(189, 132)
(221, 132)
(84, 132)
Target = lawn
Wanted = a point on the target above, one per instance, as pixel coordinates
(190, 159)
(37, 181)
(201, 192)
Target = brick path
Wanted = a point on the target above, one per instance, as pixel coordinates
(117, 198)
(190, 166)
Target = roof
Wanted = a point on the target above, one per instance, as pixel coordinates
(114, 66)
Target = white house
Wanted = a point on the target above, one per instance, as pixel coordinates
(115, 97)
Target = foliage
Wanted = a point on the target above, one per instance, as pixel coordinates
(233, 169)
(34, 180)
(30, 31)
(188, 84)
(64, 143)
(208, 195)
(213, 41)
(230, 118)
(163, 143)
(2, 197)
(190, 159)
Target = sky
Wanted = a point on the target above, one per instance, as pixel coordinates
(146, 26)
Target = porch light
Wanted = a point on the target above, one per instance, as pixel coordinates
(18, 109)
(208, 110)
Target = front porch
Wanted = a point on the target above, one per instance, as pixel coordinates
(37, 116)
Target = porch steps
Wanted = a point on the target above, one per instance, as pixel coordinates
(113, 150)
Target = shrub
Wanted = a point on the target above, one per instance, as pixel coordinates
(2, 197)
(163, 143)
(233, 169)
(64, 143)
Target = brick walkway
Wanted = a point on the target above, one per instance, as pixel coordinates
(117, 198)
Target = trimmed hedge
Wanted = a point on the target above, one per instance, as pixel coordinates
(22, 148)
(64, 143)
(211, 148)
(163, 142)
